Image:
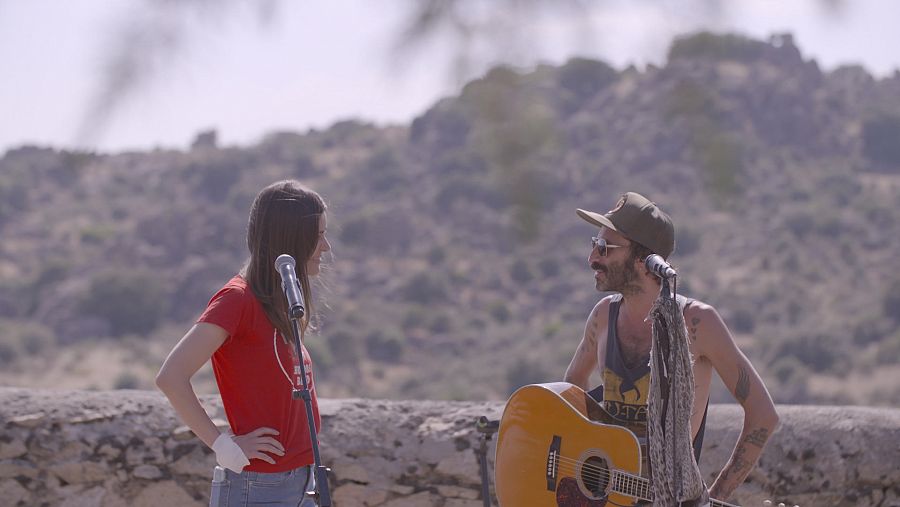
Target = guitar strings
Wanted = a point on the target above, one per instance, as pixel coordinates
(567, 464)
(589, 471)
(625, 487)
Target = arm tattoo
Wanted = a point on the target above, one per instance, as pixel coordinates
(595, 325)
(693, 328)
(742, 388)
(740, 464)
(738, 461)
(758, 437)
(733, 474)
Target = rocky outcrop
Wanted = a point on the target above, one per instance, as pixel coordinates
(110, 449)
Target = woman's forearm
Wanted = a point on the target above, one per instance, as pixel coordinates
(186, 404)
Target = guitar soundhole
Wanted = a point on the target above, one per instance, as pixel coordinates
(595, 476)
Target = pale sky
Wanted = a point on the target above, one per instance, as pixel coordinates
(315, 63)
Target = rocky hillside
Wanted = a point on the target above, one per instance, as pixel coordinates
(459, 266)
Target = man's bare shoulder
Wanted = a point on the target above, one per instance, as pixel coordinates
(698, 309)
(598, 319)
(704, 325)
(601, 309)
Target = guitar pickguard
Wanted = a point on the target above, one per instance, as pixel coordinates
(568, 494)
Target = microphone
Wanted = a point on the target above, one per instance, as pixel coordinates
(659, 267)
(285, 265)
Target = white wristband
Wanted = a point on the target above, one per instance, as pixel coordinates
(229, 454)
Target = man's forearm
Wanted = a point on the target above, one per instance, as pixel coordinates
(743, 459)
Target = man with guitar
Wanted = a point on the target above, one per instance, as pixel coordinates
(618, 336)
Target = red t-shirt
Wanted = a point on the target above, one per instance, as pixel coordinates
(255, 391)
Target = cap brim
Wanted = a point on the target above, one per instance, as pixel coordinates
(595, 218)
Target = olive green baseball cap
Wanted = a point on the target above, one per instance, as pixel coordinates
(640, 220)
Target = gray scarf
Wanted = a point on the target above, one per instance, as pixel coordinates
(675, 476)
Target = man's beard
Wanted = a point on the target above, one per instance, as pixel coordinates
(620, 277)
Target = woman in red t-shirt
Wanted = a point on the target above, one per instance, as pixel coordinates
(265, 456)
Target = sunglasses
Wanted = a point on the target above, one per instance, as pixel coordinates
(602, 246)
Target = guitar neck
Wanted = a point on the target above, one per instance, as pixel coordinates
(639, 487)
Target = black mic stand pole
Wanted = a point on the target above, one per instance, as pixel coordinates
(324, 495)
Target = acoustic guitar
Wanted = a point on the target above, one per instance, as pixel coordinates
(558, 447)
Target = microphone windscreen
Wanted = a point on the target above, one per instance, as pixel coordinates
(284, 260)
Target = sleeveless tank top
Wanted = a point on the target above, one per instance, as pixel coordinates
(626, 390)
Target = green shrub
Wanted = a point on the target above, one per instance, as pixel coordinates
(524, 372)
(816, 352)
(96, 234)
(799, 221)
(789, 369)
(353, 231)
(343, 347)
(871, 329)
(51, 273)
(415, 317)
(441, 323)
(385, 347)
(499, 311)
(521, 272)
(30, 338)
(437, 255)
(493, 91)
(720, 156)
(580, 79)
(35, 338)
(889, 349)
(127, 380)
(130, 302)
(445, 125)
(706, 45)
(13, 198)
(424, 288)
(687, 241)
(891, 301)
(552, 329)
(721, 163)
(320, 351)
(469, 190)
(214, 178)
(743, 320)
(8, 353)
(71, 167)
(383, 169)
(690, 99)
(549, 267)
(881, 140)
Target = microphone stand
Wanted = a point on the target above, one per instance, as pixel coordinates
(486, 428)
(321, 472)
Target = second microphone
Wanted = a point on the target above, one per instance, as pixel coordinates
(286, 267)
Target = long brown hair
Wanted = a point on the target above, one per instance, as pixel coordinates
(284, 219)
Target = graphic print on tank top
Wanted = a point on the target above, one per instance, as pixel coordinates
(625, 390)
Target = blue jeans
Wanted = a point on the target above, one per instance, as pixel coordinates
(281, 489)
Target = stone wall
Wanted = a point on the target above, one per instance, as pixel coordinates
(111, 449)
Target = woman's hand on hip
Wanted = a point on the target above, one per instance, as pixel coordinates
(256, 444)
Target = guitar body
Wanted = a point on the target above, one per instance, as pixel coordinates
(555, 448)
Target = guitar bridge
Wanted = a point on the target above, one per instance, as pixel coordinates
(553, 462)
